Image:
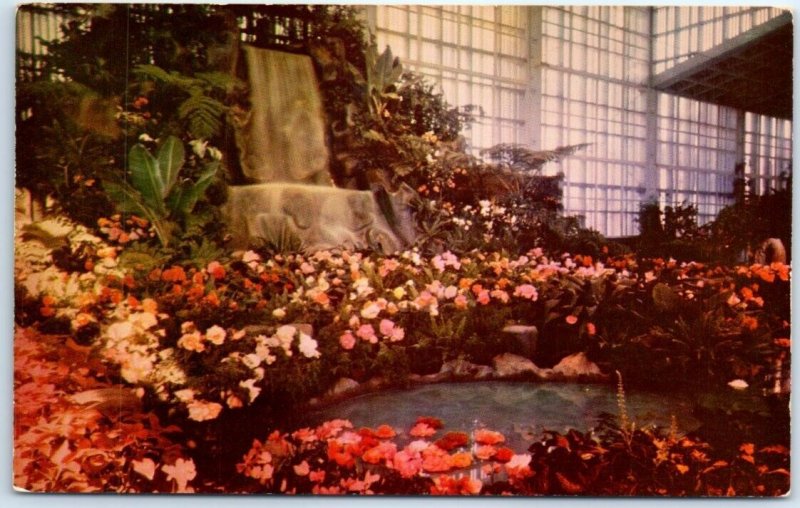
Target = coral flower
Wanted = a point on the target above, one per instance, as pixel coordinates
(571, 320)
(527, 291)
(422, 430)
(485, 452)
(461, 302)
(488, 437)
(347, 341)
(407, 464)
(385, 432)
(436, 460)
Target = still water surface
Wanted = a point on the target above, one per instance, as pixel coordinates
(521, 411)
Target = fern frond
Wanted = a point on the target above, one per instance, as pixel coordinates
(203, 114)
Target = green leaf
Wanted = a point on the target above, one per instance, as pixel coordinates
(186, 196)
(665, 299)
(146, 178)
(203, 114)
(170, 160)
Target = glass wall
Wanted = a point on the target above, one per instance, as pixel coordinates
(696, 154)
(594, 71)
(477, 54)
(681, 32)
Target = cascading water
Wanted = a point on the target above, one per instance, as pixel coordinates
(282, 137)
(290, 198)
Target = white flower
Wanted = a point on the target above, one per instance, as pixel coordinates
(119, 330)
(252, 389)
(517, 461)
(216, 335)
(146, 138)
(198, 147)
(279, 313)
(738, 384)
(308, 346)
(370, 310)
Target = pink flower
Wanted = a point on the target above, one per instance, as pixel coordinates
(571, 320)
(347, 341)
(367, 332)
(386, 326)
(483, 297)
(460, 302)
(526, 291)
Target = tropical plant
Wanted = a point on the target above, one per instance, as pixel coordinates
(154, 190)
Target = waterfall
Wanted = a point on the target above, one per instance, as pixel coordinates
(282, 138)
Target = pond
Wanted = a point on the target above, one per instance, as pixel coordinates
(521, 411)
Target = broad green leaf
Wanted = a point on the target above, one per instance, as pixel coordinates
(190, 194)
(665, 299)
(146, 177)
(170, 160)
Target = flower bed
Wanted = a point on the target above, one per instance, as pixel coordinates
(198, 342)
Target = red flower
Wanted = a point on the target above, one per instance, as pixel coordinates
(430, 421)
(452, 440)
(503, 454)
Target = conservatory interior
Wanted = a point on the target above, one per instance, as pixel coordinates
(455, 250)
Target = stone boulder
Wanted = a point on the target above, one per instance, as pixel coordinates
(343, 385)
(319, 218)
(577, 367)
(509, 365)
(462, 369)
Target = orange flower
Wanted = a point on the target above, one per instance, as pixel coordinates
(322, 299)
(750, 323)
(461, 460)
